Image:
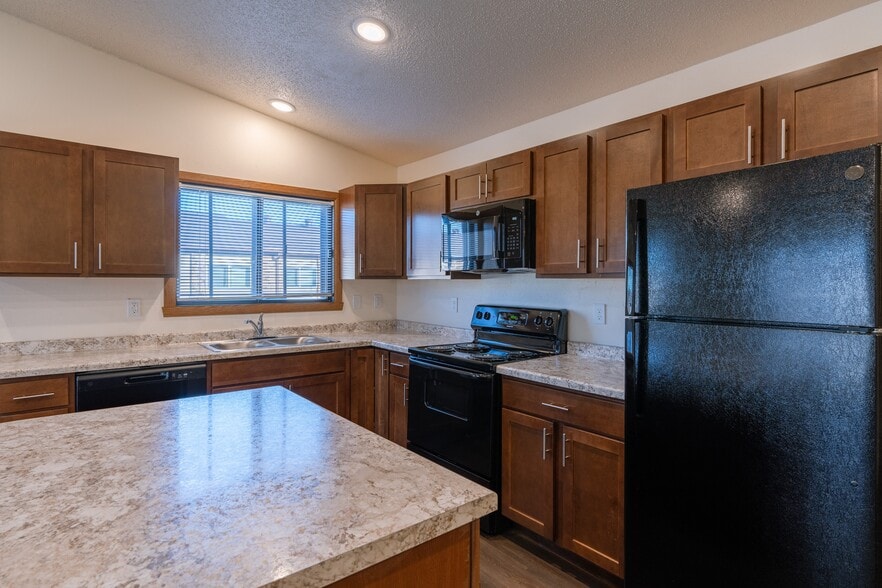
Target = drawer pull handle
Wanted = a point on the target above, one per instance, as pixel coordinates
(557, 406)
(32, 396)
(401, 365)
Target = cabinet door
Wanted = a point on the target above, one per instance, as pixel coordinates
(398, 409)
(562, 207)
(467, 186)
(379, 218)
(426, 202)
(135, 214)
(716, 134)
(361, 387)
(381, 392)
(329, 391)
(627, 155)
(509, 176)
(830, 107)
(528, 471)
(41, 212)
(591, 497)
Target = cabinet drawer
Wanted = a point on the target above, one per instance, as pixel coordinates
(6, 418)
(594, 414)
(399, 364)
(276, 367)
(33, 394)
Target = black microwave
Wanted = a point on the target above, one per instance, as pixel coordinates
(494, 237)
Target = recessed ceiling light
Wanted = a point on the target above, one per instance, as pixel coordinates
(371, 30)
(282, 105)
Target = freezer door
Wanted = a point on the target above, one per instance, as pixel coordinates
(751, 457)
(789, 243)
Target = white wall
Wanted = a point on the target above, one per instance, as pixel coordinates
(55, 87)
(429, 301)
(848, 33)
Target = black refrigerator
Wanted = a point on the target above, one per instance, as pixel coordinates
(751, 412)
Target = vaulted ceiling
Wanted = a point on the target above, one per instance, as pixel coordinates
(453, 71)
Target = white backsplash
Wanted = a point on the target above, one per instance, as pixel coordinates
(430, 301)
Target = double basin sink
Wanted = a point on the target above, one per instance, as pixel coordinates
(266, 343)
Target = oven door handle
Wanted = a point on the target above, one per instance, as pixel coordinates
(444, 412)
(458, 372)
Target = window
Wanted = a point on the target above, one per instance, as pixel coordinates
(248, 247)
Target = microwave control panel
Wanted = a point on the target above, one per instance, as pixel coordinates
(513, 235)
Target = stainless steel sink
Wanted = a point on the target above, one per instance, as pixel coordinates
(301, 340)
(265, 343)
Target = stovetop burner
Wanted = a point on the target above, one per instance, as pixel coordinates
(476, 348)
(441, 348)
(502, 334)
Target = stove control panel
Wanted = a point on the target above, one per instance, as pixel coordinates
(542, 321)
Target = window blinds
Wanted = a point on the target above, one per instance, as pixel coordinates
(240, 247)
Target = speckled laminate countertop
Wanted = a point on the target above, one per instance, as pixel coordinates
(236, 489)
(592, 375)
(43, 364)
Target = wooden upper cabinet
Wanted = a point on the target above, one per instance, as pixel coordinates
(41, 212)
(503, 178)
(562, 207)
(134, 199)
(716, 134)
(372, 231)
(467, 186)
(510, 176)
(626, 155)
(829, 107)
(426, 202)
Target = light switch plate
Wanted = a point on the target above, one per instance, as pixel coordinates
(378, 301)
(356, 302)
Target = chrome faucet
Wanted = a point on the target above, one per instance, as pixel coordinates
(258, 327)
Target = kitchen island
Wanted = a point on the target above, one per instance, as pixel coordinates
(245, 488)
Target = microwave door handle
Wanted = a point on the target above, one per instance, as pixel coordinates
(499, 231)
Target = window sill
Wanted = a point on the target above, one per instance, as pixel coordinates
(172, 309)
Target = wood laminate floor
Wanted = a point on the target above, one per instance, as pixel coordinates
(505, 564)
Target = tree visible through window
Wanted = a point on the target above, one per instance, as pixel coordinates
(239, 247)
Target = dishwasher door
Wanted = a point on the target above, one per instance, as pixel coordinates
(107, 389)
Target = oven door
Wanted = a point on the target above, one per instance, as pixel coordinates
(453, 415)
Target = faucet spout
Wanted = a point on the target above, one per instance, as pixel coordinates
(258, 326)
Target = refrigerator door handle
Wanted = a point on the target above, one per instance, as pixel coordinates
(635, 364)
(635, 300)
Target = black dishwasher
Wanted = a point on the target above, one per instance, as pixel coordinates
(107, 389)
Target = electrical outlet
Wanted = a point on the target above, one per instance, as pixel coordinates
(356, 302)
(453, 304)
(598, 314)
(133, 308)
(378, 301)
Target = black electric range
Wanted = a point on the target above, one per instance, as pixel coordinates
(455, 396)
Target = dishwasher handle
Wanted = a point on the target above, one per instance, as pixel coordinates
(158, 377)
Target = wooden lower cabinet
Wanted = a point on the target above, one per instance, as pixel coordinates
(25, 398)
(361, 388)
(561, 481)
(391, 380)
(449, 560)
(320, 376)
(591, 497)
(528, 471)
(329, 391)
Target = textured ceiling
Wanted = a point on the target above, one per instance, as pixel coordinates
(454, 71)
